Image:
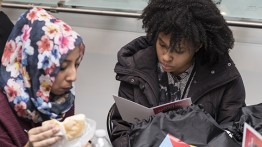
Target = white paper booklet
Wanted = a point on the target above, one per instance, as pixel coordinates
(133, 112)
(251, 138)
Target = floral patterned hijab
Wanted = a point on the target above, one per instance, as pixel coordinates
(35, 49)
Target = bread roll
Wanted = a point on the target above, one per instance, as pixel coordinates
(57, 124)
(52, 121)
(74, 126)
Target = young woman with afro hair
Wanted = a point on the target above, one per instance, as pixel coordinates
(184, 54)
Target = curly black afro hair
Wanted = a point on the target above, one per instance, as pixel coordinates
(198, 21)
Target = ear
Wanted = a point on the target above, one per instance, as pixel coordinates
(199, 46)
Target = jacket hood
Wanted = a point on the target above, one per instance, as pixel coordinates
(137, 66)
(131, 55)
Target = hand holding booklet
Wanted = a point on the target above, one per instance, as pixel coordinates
(133, 112)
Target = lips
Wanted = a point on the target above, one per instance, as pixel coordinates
(67, 88)
(166, 67)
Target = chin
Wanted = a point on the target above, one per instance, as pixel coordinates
(168, 70)
(58, 93)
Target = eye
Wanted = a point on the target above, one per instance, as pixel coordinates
(63, 67)
(179, 51)
(163, 45)
(77, 65)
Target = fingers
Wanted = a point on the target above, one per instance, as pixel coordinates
(44, 135)
(45, 123)
(40, 129)
(46, 142)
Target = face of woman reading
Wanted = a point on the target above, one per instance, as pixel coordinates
(67, 74)
(173, 61)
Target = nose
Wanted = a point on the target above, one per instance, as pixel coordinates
(167, 57)
(71, 76)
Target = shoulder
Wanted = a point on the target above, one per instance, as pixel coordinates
(3, 98)
(4, 105)
(138, 52)
(12, 126)
(5, 108)
(133, 47)
(221, 74)
(224, 66)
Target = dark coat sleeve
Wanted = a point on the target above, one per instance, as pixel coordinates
(232, 102)
(120, 130)
(6, 27)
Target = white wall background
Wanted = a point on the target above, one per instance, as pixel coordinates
(105, 35)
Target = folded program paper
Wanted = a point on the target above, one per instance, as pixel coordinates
(133, 112)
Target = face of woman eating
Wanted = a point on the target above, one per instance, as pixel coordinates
(67, 74)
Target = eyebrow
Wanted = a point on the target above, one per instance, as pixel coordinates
(68, 61)
(161, 40)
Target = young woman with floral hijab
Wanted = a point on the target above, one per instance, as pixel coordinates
(37, 77)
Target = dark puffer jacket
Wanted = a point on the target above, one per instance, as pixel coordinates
(218, 88)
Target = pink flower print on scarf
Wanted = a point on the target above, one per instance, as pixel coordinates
(36, 47)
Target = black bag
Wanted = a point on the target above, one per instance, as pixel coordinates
(192, 125)
(250, 114)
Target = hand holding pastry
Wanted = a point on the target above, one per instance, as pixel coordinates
(43, 136)
(75, 130)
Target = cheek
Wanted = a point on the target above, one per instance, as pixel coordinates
(183, 60)
(187, 59)
(159, 53)
(58, 80)
(54, 86)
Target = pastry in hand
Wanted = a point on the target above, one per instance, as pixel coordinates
(57, 124)
(74, 126)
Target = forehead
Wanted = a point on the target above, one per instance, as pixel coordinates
(166, 38)
(74, 54)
